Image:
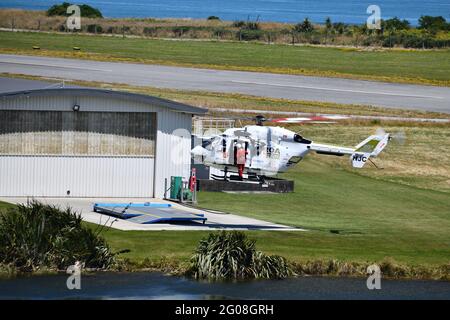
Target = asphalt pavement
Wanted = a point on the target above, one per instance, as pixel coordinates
(215, 220)
(338, 90)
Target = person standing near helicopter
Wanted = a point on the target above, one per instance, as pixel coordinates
(241, 155)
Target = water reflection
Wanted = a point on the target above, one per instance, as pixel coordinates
(153, 285)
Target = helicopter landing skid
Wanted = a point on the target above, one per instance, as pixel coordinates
(253, 178)
(271, 185)
(219, 178)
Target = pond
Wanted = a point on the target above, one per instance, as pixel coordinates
(154, 285)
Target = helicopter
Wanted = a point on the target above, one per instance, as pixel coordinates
(260, 151)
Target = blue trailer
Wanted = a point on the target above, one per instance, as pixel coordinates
(148, 212)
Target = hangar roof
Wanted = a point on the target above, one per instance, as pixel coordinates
(102, 93)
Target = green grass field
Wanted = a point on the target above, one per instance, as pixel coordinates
(4, 205)
(388, 65)
(375, 219)
(401, 211)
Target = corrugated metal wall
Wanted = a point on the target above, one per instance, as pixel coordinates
(173, 146)
(44, 176)
(123, 176)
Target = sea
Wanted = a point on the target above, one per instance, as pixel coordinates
(289, 11)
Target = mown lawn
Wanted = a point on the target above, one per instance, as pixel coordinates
(4, 205)
(374, 219)
(415, 66)
(401, 211)
(419, 159)
(349, 217)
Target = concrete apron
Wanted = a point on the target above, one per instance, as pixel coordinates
(216, 220)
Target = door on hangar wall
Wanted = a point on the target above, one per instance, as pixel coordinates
(78, 154)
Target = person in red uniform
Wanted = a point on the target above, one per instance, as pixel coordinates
(241, 155)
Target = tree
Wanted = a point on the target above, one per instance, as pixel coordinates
(363, 29)
(433, 24)
(239, 24)
(86, 11)
(328, 24)
(391, 26)
(305, 26)
(339, 27)
(395, 24)
(328, 29)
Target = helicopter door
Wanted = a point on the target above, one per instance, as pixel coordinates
(220, 151)
(240, 157)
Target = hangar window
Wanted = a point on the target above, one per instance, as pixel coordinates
(77, 133)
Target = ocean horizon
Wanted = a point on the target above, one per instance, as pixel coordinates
(288, 11)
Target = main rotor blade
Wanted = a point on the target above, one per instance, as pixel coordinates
(242, 133)
(311, 119)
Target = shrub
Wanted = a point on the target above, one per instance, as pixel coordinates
(231, 255)
(395, 24)
(315, 39)
(249, 25)
(412, 41)
(94, 28)
(391, 40)
(179, 31)
(238, 24)
(41, 236)
(252, 26)
(433, 24)
(250, 35)
(150, 31)
(340, 27)
(328, 24)
(112, 30)
(219, 32)
(213, 18)
(368, 41)
(305, 26)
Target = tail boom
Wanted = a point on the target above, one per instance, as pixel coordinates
(370, 147)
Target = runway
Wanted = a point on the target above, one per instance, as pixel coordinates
(337, 90)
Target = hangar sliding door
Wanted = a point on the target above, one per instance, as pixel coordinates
(79, 154)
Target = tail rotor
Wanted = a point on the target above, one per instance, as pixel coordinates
(398, 137)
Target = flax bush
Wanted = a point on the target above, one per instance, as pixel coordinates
(231, 255)
(37, 236)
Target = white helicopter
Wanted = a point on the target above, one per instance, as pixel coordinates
(261, 151)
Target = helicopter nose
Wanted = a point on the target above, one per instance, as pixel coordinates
(199, 151)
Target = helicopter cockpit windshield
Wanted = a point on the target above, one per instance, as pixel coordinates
(300, 139)
(207, 144)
